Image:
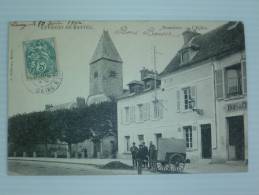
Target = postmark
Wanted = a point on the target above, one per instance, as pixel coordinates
(43, 85)
(41, 68)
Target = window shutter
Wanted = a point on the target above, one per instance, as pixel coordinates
(137, 119)
(132, 114)
(194, 138)
(243, 65)
(178, 100)
(194, 96)
(148, 111)
(122, 116)
(219, 83)
(144, 112)
(161, 109)
(152, 110)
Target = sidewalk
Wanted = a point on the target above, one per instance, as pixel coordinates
(227, 167)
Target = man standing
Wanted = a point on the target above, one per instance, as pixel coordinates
(134, 152)
(151, 154)
(140, 158)
(145, 155)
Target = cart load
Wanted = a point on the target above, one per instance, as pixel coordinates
(171, 155)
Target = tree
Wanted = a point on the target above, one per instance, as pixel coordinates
(72, 126)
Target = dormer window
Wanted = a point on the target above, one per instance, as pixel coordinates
(185, 56)
(187, 53)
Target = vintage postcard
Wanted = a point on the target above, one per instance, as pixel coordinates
(127, 97)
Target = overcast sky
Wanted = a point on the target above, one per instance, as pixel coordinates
(75, 47)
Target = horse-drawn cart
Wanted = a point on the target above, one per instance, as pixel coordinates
(171, 155)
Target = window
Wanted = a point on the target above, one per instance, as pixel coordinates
(185, 56)
(141, 139)
(158, 136)
(141, 112)
(113, 74)
(188, 136)
(233, 80)
(132, 113)
(127, 114)
(158, 109)
(187, 98)
(95, 75)
(127, 143)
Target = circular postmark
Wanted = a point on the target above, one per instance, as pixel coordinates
(45, 85)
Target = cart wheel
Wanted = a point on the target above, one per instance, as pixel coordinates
(154, 166)
(159, 166)
(178, 163)
(162, 167)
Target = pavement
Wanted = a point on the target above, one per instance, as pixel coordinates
(203, 166)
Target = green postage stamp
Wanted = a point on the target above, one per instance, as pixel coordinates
(40, 58)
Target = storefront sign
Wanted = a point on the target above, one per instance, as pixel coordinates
(236, 106)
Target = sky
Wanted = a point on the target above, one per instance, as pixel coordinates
(75, 42)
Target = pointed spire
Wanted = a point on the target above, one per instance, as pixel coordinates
(105, 49)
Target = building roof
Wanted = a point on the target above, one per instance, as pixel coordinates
(224, 40)
(150, 76)
(68, 105)
(105, 49)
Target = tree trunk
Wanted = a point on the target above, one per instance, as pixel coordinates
(69, 148)
(46, 149)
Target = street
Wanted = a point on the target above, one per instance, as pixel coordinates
(19, 167)
(54, 166)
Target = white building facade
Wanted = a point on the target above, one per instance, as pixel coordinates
(202, 99)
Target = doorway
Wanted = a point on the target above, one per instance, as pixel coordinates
(157, 137)
(206, 141)
(236, 138)
(97, 148)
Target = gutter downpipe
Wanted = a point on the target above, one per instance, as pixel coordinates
(215, 104)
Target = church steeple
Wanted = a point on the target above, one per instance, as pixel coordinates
(105, 49)
(105, 72)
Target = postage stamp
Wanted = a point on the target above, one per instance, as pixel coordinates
(41, 67)
(40, 58)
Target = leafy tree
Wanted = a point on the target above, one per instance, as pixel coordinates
(73, 126)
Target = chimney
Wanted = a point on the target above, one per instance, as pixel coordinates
(145, 72)
(188, 35)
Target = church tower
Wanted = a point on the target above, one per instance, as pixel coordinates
(105, 72)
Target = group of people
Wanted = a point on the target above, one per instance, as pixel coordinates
(142, 155)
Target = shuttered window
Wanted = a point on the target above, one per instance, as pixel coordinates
(219, 83)
(132, 114)
(188, 136)
(140, 112)
(187, 100)
(178, 103)
(127, 114)
(243, 63)
(193, 97)
(158, 109)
